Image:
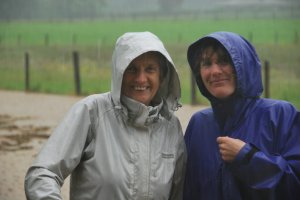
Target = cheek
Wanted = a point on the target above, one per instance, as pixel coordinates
(157, 79)
(157, 84)
(233, 77)
(203, 75)
(124, 84)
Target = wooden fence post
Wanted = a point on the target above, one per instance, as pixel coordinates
(250, 37)
(179, 38)
(276, 37)
(46, 39)
(26, 72)
(76, 72)
(19, 39)
(267, 79)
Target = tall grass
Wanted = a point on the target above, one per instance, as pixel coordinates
(50, 46)
(264, 31)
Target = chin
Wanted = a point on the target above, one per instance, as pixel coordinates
(142, 101)
(222, 95)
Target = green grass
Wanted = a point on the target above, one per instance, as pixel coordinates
(170, 31)
(51, 68)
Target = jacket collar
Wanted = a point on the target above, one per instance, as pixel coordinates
(139, 114)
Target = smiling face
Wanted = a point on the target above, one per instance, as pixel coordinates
(217, 72)
(141, 79)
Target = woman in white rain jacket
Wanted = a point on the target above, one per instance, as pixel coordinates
(115, 147)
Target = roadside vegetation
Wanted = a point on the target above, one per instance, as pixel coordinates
(50, 46)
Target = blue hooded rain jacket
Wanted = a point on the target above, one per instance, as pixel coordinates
(270, 127)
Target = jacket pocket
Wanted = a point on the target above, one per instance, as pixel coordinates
(167, 165)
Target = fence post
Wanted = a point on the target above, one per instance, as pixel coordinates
(26, 71)
(276, 37)
(193, 90)
(19, 40)
(267, 79)
(250, 36)
(46, 39)
(179, 38)
(76, 72)
(74, 39)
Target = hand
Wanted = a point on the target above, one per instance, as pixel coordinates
(229, 147)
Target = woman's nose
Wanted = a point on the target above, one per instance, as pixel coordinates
(215, 68)
(141, 76)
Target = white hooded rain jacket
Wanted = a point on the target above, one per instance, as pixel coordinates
(115, 150)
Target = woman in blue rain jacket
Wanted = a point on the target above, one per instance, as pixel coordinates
(244, 146)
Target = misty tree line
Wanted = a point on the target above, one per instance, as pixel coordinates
(95, 9)
(69, 9)
(45, 9)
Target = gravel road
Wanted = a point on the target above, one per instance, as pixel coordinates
(26, 121)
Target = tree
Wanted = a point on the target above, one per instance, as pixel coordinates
(169, 5)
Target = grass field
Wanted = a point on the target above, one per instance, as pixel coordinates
(170, 31)
(50, 46)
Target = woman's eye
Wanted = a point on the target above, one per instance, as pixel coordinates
(152, 69)
(131, 70)
(205, 64)
(223, 62)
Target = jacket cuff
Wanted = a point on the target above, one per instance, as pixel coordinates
(245, 154)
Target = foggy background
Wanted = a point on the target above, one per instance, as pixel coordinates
(101, 9)
(43, 35)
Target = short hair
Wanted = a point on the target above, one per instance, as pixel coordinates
(210, 46)
(163, 63)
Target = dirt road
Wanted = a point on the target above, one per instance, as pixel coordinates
(26, 121)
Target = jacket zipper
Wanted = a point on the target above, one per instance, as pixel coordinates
(149, 162)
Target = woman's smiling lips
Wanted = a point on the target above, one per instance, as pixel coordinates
(218, 82)
(140, 88)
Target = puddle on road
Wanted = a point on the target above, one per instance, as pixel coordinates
(18, 137)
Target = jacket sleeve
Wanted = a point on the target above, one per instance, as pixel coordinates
(60, 155)
(179, 173)
(190, 184)
(279, 170)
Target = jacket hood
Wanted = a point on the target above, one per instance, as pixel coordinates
(245, 60)
(133, 44)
